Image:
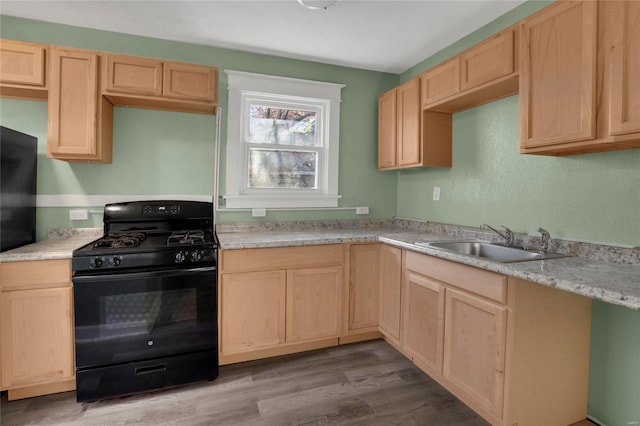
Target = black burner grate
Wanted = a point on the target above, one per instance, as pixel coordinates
(129, 239)
(186, 237)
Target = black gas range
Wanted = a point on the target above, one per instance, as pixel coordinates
(145, 299)
(150, 235)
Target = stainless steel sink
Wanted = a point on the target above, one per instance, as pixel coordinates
(490, 251)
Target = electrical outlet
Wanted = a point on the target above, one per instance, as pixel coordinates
(362, 210)
(436, 193)
(258, 212)
(78, 214)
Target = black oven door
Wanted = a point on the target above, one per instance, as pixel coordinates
(136, 316)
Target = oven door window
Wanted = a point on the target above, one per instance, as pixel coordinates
(132, 316)
(148, 311)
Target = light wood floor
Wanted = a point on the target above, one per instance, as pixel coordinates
(366, 383)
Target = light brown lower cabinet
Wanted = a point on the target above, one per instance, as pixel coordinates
(423, 326)
(314, 303)
(364, 286)
(253, 311)
(390, 292)
(275, 301)
(36, 298)
(474, 348)
(514, 351)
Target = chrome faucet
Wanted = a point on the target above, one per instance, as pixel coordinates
(546, 238)
(508, 234)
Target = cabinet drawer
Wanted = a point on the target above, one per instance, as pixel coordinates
(35, 274)
(268, 259)
(484, 283)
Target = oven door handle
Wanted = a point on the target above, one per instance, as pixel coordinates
(164, 273)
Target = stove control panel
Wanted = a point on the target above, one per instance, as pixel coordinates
(161, 210)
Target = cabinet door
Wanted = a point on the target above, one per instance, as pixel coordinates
(387, 130)
(625, 68)
(408, 123)
(193, 82)
(557, 76)
(314, 303)
(72, 105)
(22, 63)
(440, 82)
(474, 348)
(364, 286)
(252, 311)
(390, 291)
(37, 337)
(132, 75)
(423, 316)
(488, 61)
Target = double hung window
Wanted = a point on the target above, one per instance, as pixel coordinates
(282, 142)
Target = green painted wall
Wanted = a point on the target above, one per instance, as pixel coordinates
(592, 197)
(144, 140)
(614, 383)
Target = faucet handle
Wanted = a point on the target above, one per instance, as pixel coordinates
(546, 237)
(510, 236)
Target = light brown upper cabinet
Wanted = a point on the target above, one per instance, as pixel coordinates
(441, 82)
(131, 75)
(156, 84)
(402, 141)
(481, 74)
(79, 120)
(409, 153)
(623, 18)
(487, 61)
(22, 70)
(387, 149)
(187, 81)
(557, 79)
(580, 78)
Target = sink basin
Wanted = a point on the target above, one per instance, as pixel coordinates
(490, 251)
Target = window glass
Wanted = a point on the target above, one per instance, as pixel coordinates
(282, 126)
(271, 168)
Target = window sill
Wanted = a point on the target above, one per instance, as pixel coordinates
(280, 201)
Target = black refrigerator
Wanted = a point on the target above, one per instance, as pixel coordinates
(18, 170)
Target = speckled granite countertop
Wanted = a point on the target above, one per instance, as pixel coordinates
(606, 273)
(60, 244)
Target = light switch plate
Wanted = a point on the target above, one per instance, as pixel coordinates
(436, 193)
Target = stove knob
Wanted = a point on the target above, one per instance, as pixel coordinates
(96, 263)
(196, 255)
(115, 261)
(180, 257)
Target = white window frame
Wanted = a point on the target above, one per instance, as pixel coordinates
(318, 96)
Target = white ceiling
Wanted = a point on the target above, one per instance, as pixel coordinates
(389, 36)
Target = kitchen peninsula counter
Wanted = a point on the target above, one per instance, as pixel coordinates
(607, 273)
